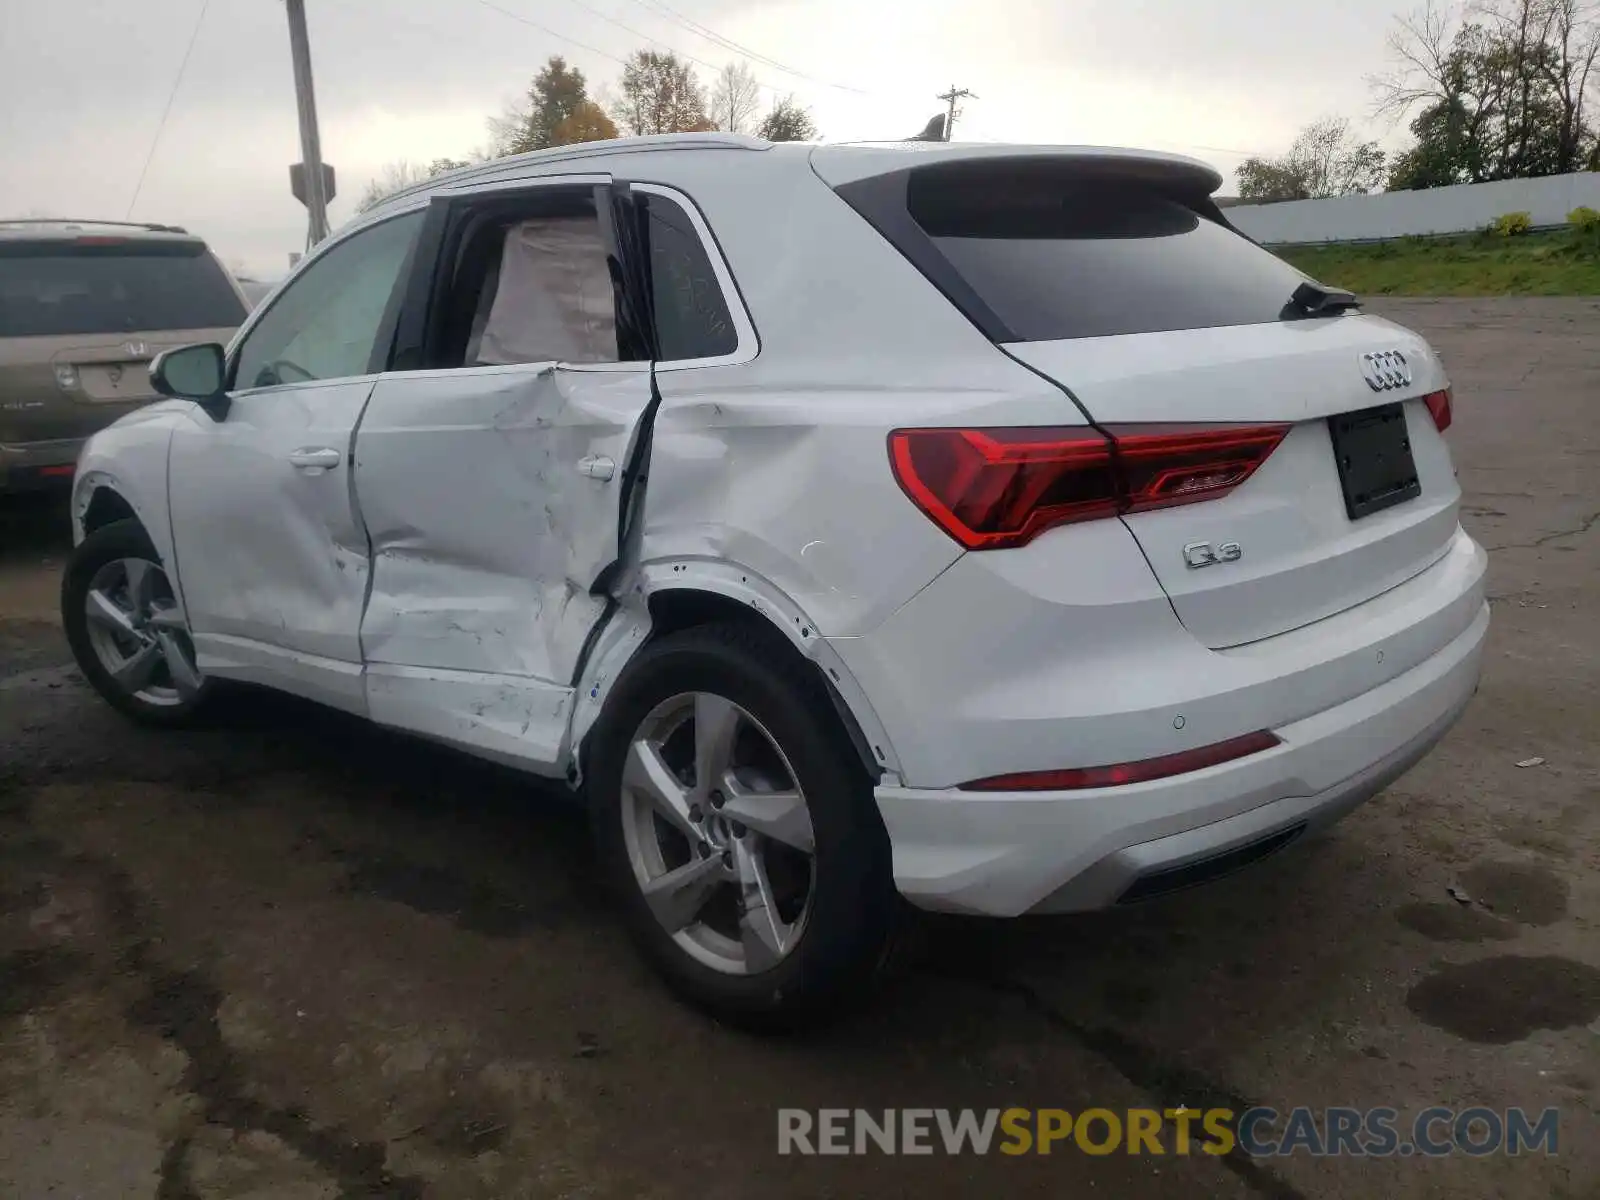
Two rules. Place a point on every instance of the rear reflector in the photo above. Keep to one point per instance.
(1133, 772)
(996, 488)
(1439, 406)
(56, 470)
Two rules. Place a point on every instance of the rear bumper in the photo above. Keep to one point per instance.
(1002, 854)
(29, 466)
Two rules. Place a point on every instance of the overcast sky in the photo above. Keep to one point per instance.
(83, 84)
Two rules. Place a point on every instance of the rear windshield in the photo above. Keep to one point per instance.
(45, 291)
(1053, 257)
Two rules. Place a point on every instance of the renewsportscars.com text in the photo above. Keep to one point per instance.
(1258, 1132)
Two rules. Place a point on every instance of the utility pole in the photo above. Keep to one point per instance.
(315, 182)
(951, 97)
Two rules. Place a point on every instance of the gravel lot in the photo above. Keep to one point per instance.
(293, 957)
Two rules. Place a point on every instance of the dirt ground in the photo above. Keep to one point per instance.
(294, 957)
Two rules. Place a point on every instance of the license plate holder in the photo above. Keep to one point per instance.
(116, 382)
(1372, 450)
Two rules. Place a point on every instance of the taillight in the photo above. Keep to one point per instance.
(1439, 408)
(995, 488)
(1118, 774)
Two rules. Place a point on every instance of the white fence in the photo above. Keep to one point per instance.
(1455, 209)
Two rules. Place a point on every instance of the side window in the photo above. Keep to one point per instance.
(325, 323)
(536, 289)
(691, 312)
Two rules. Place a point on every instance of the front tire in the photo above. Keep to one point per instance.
(127, 628)
(738, 827)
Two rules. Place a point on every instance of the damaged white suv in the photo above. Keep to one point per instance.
(992, 527)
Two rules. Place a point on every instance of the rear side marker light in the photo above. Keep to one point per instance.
(991, 489)
(1118, 774)
(1439, 408)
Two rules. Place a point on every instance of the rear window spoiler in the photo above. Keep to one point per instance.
(838, 165)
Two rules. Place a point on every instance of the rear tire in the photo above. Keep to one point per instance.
(127, 629)
(776, 937)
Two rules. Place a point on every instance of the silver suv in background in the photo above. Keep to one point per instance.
(84, 307)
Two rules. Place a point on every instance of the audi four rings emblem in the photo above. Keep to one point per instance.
(1386, 370)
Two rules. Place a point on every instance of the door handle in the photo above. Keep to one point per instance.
(597, 466)
(316, 458)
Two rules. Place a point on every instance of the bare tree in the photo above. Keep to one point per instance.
(1421, 69)
(1574, 42)
(393, 178)
(399, 175)
(735, 97)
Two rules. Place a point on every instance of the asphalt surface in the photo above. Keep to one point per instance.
(294, 957)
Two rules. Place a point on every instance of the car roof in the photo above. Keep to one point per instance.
(65, 228)
(836, 163)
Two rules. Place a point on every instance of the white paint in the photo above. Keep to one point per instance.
(1004, 853)
(1458, 209)
(268, 552)
(486, 535)
(129, 458)
(845, 163)
(1301, 557)
(519, 722)
(769, 484)
(747, 587)
(331, 681)
(1075, 668)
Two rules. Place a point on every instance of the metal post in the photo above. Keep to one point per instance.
(310, 142)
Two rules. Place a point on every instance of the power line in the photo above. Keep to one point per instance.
(620, 25)
(506, 12)
(727, 43)
(165, 112)
(583, 4)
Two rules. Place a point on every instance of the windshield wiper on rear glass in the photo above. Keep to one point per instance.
(1315, 300)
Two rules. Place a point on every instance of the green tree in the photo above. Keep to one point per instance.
(788, 122)
(660, 94)
(557, 94)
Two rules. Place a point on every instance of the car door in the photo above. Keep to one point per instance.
(492, 472)
(271, 554)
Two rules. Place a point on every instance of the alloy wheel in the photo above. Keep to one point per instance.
(718, 833)
(138, 632)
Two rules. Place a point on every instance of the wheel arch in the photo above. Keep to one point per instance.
(105, 505)
(667, 597)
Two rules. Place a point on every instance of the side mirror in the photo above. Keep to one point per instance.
(193, 373)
